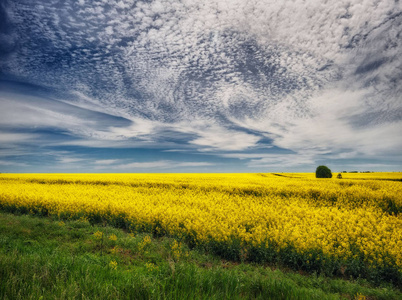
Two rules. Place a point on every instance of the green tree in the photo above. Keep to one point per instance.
(323, 172)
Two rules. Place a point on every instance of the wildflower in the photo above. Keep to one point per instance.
(145, 242)
(114, 250)
(151, 267)
(98, 235)
(113, 237)
(113, 264)
(176, 250)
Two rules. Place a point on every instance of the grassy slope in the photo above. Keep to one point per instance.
(43, 258)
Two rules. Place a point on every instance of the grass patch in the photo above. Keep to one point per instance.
(46, 258)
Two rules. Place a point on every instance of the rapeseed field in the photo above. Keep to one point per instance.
(348, 227)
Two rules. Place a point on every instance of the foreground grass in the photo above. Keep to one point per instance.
(44, 258)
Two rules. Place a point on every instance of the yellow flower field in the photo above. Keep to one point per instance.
(294, 218)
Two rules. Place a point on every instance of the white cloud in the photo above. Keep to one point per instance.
(70, 160)
(334, 127)
(140, 128)
(193, 164)
(12, 138)
(144, 165)
(225, 140)
(12, 163)
(160, 164)
(34, 112)
(106, 161)
(280, 161)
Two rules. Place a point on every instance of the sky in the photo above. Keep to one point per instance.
(200, 86)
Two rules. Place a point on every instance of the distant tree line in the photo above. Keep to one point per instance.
(357, 172)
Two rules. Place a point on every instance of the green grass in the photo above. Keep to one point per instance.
(44, 258)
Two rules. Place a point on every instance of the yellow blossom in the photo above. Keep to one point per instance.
(113, 237)
(98, 235)
(343, 219)
(113, 265)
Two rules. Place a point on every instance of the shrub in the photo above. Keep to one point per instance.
(339, 176)
(323, 172)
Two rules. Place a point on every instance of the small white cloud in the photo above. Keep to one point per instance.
(106, 162)
(12, 138)
(70, 160)
(12, 163)
(225, 140)
(145, 165)
(192, 164)
(141, 128)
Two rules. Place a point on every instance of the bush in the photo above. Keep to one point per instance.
(323, 172)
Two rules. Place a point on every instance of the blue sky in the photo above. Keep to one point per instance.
(200, 86)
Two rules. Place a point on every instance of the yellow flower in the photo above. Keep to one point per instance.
(345, 219)
(113, 264)
(176, 250)
(98, 235)
(360, 297)
(114, 250)
(151, 267)
(144, 243)
(113, 237)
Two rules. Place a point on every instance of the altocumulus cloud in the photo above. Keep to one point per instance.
(188, 85)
